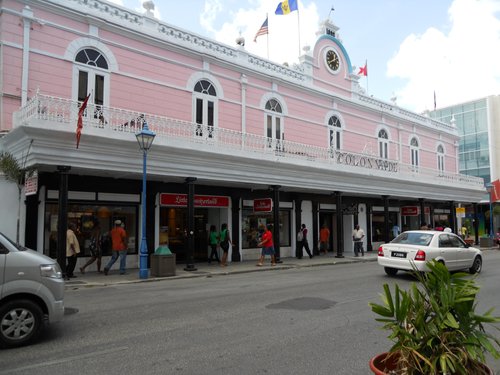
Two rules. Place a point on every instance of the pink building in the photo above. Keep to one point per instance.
(232, 130)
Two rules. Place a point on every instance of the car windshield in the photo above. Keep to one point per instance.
(18, 247)
(414, 238)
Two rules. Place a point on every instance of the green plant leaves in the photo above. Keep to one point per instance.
(434, 326)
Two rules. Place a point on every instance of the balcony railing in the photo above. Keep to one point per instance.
(64, 111)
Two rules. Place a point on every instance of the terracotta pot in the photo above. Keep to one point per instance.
(377, 365)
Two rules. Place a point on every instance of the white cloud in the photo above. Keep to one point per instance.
(461, 64)
(283, 30)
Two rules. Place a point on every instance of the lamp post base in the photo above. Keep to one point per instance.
(190, 267)
(143, 274)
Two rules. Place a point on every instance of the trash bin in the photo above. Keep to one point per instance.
(485, 242)
(163, 262)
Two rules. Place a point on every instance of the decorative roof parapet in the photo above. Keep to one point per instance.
(423, 120)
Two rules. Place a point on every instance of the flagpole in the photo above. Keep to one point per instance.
(298, 22)
(366, 66)
(267, 35)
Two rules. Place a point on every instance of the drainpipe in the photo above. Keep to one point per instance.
(27, 17)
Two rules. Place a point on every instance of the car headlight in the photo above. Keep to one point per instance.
(51, 270)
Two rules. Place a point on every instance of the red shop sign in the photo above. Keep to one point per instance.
(409, 211)
(180, 200)
(263, 205)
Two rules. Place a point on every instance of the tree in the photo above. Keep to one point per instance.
(17, 173)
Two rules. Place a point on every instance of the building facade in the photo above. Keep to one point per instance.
(239, 139)
(478, 124)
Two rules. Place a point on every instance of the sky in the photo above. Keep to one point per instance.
(415, 49)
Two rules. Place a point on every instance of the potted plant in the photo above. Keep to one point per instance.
(434, 327)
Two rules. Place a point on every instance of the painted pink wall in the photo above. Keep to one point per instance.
(153, 79)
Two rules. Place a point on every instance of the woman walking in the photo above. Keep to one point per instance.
(267, 246)
(213, 241)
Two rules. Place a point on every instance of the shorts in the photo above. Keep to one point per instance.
(323, 246)
(268, 250)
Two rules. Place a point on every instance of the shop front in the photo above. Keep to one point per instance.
(173, 222)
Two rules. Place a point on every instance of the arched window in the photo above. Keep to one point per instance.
(335, 133)
(440, 159)
(414, 150)
(205, 108)
(274, 124)
(383, 144)
(91, 67)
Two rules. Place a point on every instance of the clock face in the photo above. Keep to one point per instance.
(332, 60)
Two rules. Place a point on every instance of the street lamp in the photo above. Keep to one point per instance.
(145, 139)
(489, 187)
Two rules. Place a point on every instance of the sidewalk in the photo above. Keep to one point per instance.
(94, 279)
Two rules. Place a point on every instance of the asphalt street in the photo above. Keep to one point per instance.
(293, 320)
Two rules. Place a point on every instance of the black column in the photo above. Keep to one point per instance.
(315, 228)
(475, 224)
(276, 215)
(453, 217)
(190, 232)
(422, 211)
(431, 214)
(387, 228)
(369, 226)
(298, 221)
(340, 225)
(236, 230)
(62, 218)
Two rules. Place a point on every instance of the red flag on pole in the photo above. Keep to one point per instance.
(79, 125)
(363, 70)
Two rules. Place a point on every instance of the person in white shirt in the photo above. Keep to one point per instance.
(357, 236)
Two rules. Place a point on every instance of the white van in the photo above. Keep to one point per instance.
(31, 293)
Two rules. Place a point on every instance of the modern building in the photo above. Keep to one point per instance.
(478, 124)
(239, 139)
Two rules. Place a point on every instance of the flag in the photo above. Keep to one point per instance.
(286, 6)
(79, 125)
(434, 99)
(363, 71)
(262, 31)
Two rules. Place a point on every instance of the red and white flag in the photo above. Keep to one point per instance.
(79, 125)
(363, 71)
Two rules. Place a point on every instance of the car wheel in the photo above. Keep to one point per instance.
(20, 322)
(477, 266)
(390, 271)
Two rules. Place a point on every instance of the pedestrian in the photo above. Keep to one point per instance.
(498, 237)
(324, 239)
(118, 247)
(424, 226)
(225, 241)
(94, 247)
(463, 231)
(395, 230)
(357, 236)
(72, 250)
(267, 247)
(302, 242)
(213, 241)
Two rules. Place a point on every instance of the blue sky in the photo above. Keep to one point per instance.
(413, 48)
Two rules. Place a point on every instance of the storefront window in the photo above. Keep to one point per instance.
(378, 226)
(85, 217)
(252, 222)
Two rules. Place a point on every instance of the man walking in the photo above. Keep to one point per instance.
(302, 242)
(119, 247)
(357, 236)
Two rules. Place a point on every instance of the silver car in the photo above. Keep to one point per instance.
(31, 293)
(419, 246)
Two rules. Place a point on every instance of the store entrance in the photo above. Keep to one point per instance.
(174, 229)
(330, 220)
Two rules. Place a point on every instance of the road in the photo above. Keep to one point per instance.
(299, 321)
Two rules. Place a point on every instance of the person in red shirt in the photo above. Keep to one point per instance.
(119, 247)
(267, 246)
(324, 239)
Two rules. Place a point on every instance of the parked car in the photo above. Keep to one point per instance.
(420, 246)
(31, 293)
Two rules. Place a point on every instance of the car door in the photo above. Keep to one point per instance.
(447, 251)
(464, 255)
(3, 256)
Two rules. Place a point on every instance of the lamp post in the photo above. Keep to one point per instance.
(489, 187)
(145, 139)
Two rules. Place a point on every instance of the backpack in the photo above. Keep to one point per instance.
(300, 235)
